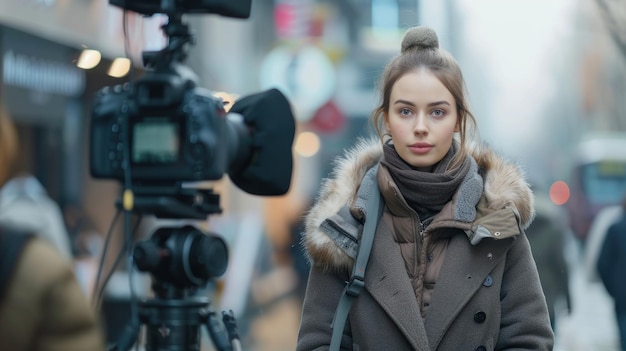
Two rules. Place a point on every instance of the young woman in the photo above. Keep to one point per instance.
(450, 267)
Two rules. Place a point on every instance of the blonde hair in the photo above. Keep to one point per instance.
(8, 146)
(420, 49)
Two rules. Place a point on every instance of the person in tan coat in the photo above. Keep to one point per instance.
(42, 306)
(450, 268)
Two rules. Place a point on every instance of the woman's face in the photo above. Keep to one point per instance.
(421, 119)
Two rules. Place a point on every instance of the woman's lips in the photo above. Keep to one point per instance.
(420, 148)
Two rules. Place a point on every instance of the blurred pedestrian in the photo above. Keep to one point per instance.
(612, 268)
(24, 202)
(450, 267)
(547, 235)
(42, 306)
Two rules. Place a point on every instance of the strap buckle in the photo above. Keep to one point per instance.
(354, 286)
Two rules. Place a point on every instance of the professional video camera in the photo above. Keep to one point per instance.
(164, 130)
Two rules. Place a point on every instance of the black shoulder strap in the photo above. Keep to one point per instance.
(357, 280)
(11, 244)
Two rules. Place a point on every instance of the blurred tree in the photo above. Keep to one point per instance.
(613, 13)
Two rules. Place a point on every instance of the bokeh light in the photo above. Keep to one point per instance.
(89, 59)
(307, 144)
(119, 67)
(559, 192)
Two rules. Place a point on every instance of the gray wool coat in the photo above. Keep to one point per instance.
(487, 295)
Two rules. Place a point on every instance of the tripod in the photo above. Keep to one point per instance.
(179, 259)
(174, 325)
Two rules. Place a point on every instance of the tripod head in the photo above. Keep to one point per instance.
(179, 260)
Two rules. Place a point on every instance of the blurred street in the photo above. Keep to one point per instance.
(591, 325)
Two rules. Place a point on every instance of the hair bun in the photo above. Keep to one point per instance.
(420, 37)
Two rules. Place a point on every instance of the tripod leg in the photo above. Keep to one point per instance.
(128, 337)
(217, 332)
(231, 326)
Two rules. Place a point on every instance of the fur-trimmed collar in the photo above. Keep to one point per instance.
(504, 186)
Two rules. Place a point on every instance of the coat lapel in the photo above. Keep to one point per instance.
(388, 283)
(462, 274)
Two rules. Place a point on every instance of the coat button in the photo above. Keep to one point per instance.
(480, 317)
(481, 348)
(488, 281)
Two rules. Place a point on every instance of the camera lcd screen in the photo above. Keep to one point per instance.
(155, 141)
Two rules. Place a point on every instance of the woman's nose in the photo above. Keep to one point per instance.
(421, 124)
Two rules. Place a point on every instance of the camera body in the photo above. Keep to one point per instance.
(163, 129)
(166, 128)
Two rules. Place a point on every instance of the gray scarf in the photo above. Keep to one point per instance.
(425, 192)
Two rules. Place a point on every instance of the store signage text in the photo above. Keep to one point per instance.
(42, 75)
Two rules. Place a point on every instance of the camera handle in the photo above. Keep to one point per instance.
(179, 38)
(175, 325)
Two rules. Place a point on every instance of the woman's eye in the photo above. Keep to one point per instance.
(405, 112)
(438, 113)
